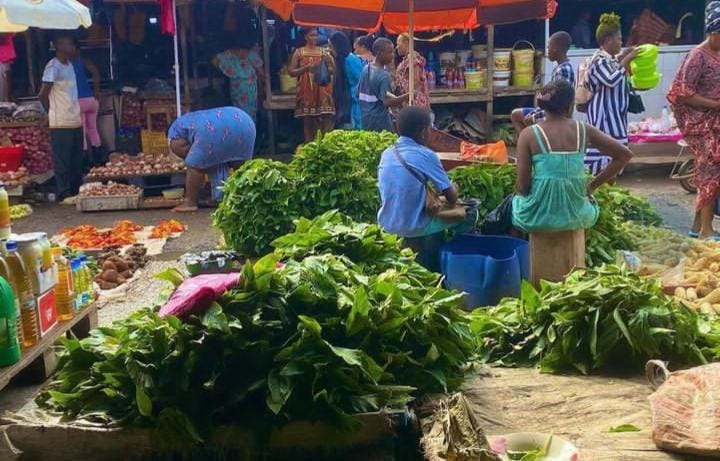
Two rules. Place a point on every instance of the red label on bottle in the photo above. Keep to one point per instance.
(47, 313)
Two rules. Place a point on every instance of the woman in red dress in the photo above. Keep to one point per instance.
(314, 103)
(421, 95)
(695, 98)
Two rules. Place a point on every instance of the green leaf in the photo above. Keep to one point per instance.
(171, 275)
(215, 318)
(144, 403)
(279, 391)
(311, 324)
(625, 428)
(621, 324)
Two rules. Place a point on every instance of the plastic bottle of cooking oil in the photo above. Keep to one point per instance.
(4, 212)
(78, 280)
(64, 295)
(28, 309)
(7, 275)
(9, 345)
(89, 293)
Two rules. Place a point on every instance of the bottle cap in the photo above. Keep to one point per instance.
(75, 264)
(56, 251)
(11, 245)
(82, 258)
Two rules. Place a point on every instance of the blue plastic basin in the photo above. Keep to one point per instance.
(488, 268)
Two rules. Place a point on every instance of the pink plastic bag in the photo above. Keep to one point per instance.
(196, 294)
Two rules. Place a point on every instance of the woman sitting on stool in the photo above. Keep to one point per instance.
(553, 192)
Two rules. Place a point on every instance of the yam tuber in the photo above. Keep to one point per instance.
(108, 265)
(105, 285)
(691, 294)
(110, 276)
(712, 298)
(681, 293)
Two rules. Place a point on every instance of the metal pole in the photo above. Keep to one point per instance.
(176, 67)
(411, 55)
(547, 47)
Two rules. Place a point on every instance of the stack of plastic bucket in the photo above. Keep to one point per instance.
(487, 268)
(645, 75)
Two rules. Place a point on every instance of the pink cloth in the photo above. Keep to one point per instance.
(7, 48)
(89, 108)
(647, 138)
(167, 18)
(196, 294)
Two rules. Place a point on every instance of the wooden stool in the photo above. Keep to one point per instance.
(554, 254)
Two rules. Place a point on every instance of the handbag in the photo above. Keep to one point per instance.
(635, 104)
(436, 205)
(321, 73)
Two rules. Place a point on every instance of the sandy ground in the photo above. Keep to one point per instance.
(673, 203)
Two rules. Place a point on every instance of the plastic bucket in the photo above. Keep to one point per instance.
(501, 57)
(288, 84)
(646, 83)
(647, 52)
(475, 80)
(488, 268)
(523, 60)
(523, 79)
(11, 158)
(501, 78)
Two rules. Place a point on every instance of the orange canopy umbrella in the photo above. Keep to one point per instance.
(398, 15)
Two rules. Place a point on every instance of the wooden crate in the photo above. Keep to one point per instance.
(154, 142)
(109, 202)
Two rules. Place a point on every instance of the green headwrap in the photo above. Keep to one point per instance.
(609, 25)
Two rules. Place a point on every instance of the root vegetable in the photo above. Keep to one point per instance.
(110, 276)
(681, 293)
(108, 265)
(691, 294)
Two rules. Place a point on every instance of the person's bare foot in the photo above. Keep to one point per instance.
(185, 208)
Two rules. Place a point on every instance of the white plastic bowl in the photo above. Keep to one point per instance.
(560, 449)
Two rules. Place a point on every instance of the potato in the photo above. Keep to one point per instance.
(108, 266)
(110, 276)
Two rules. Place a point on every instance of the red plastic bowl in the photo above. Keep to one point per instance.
(11, 158)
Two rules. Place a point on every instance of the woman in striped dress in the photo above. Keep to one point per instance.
(608, 80)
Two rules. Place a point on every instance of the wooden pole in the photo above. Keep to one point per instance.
(411, 55)
(30, 50)
(176, 64)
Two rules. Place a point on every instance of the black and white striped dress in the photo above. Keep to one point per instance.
(608, 108)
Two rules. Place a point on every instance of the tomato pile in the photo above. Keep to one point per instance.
(167, 228)
(36, 139)
(88, 237)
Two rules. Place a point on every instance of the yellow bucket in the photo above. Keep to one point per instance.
(288, 84)
(502, 59)
(523, 60)
(476, 80)
(523, 79)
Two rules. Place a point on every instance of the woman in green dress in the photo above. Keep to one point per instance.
(554, 191)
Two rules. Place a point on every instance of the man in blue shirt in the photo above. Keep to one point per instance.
(374, 89)
(403, 194)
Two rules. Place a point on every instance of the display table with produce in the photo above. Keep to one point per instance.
(35, 137)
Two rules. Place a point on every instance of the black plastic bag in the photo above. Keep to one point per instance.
(499, 220)
(635, 104)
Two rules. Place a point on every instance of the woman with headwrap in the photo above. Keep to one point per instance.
(695, 99)
(607, 78)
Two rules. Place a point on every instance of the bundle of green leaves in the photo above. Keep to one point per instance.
(323, 336)
(603, 318)
(329, 175)
(628, 206)
(259, 204)
(486, 182)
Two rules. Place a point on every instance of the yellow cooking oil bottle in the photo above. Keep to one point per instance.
(7, 275)
(28, 312)
(4, 212)
(64, 295)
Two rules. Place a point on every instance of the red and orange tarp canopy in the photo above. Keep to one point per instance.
(394, 14)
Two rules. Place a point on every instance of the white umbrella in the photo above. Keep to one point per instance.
(18, 15)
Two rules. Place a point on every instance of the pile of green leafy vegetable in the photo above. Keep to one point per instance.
(486, 182)
(339, 320)
(329, 175)
(603, 318)
(628, 206)
(259, 205)
(336, 171)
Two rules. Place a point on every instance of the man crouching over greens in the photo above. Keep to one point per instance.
(407, 173)
(210, 141)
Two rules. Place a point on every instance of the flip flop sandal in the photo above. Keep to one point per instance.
(693, 234)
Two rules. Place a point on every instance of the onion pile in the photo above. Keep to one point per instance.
(97, 189)
(13, 179)
(137, 165)
(36, 139)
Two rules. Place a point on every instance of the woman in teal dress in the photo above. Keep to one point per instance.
(554, 191)
(243, 66)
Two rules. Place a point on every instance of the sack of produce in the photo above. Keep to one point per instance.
(685, 409)
(499, 221)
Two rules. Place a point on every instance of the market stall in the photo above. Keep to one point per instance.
(474, 74)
